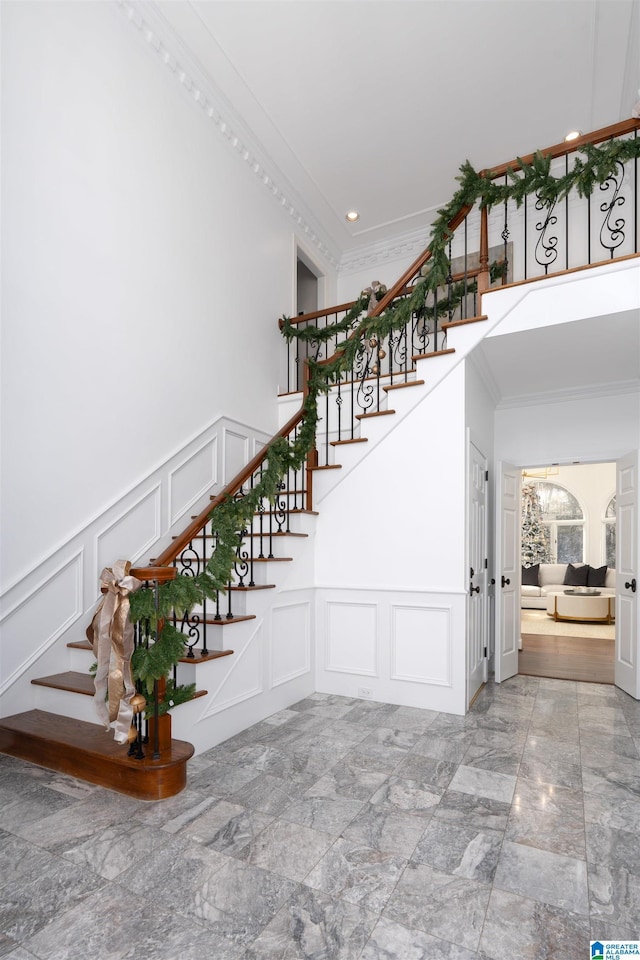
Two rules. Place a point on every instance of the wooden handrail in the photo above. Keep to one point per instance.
(169, 555)
(174, 549)
(316, 314)
(565, 148)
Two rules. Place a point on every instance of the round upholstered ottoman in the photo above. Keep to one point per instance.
(581, 606)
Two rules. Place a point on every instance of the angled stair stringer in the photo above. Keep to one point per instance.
(431, 369)
(273, 653)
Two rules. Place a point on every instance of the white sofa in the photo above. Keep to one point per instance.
(551, 580)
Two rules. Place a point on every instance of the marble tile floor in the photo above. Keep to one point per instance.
(345, 829)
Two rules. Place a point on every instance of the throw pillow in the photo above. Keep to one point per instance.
(597, 576)
(576, 576)
(530, 576)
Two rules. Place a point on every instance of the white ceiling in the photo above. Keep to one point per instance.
(565, 360)
(374, 104)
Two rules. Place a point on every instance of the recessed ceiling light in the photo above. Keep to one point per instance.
(352, 216)
(572, 135)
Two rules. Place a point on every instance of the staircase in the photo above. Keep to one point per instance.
(378, 397)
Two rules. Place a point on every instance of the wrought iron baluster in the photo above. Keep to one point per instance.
(505, 238)
(547, 245)
(615, 229)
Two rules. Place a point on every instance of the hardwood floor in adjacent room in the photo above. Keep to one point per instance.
(567, 658)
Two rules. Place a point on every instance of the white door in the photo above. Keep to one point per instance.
(477, 557)
(627, 675)
(507, 571)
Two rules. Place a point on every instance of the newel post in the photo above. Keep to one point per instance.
(484, 279)
(159, 727)
(312, 456)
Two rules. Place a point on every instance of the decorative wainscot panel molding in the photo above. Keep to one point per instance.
(393, 646)
(51, 604)
(290, 641)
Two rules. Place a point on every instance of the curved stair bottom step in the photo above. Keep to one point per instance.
(87, 751)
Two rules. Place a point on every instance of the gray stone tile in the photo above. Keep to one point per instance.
(355, 776)
(473, 810)
(223, 779)
(618, 813)
(548, 877)
(460, 850)
(238, 900)
(549, 798)
(371, 713)
(440, 749)
(602, 745)
(389, 830)
(392, 941)
(289, 849)
(550, 761)
(344, 730)
(110, 925)
(225, 826)
(448, 907)
(610, 846)
(432, 773)
(410, 796)
(520, 927)
(559, 832)
(330, 814)
(357, 874)
(269, 794)
(43, 892)
(615, 895)
(313, 926)
(63, 829)
(500, 759)
(484, 783)
(112, 851)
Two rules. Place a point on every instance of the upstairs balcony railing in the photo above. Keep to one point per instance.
(534, 234)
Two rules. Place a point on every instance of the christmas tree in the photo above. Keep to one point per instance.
(535, 535)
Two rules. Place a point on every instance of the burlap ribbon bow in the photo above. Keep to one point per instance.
(111, 637)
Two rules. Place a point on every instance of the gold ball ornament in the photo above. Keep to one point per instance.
(138, 703)
(373, 342)
(382, 354)
(374, 368)
(132, 735)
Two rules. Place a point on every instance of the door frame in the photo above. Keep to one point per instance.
(604, 458)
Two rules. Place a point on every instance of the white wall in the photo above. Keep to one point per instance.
(588, 429)
(390, 553)
(144, 268)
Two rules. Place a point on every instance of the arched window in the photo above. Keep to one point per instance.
(610, 533)
(562, 518)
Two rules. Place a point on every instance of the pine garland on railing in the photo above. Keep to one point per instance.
(234, 514)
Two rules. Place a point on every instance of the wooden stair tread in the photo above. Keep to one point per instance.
(462, 323)
(327, 466)
(269, 559)
(374, 413)
(434, 353)
(256, 586)
(339, 443)
(405, 383)
(279, 533)
(199, 657)
(71, 680)
(89, 752)
(80, 645)
(210, 622)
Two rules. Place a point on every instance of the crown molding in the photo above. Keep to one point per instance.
(606, 389)
(402, 246)
(153, 27)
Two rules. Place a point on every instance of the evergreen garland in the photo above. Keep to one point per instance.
(233, 516)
